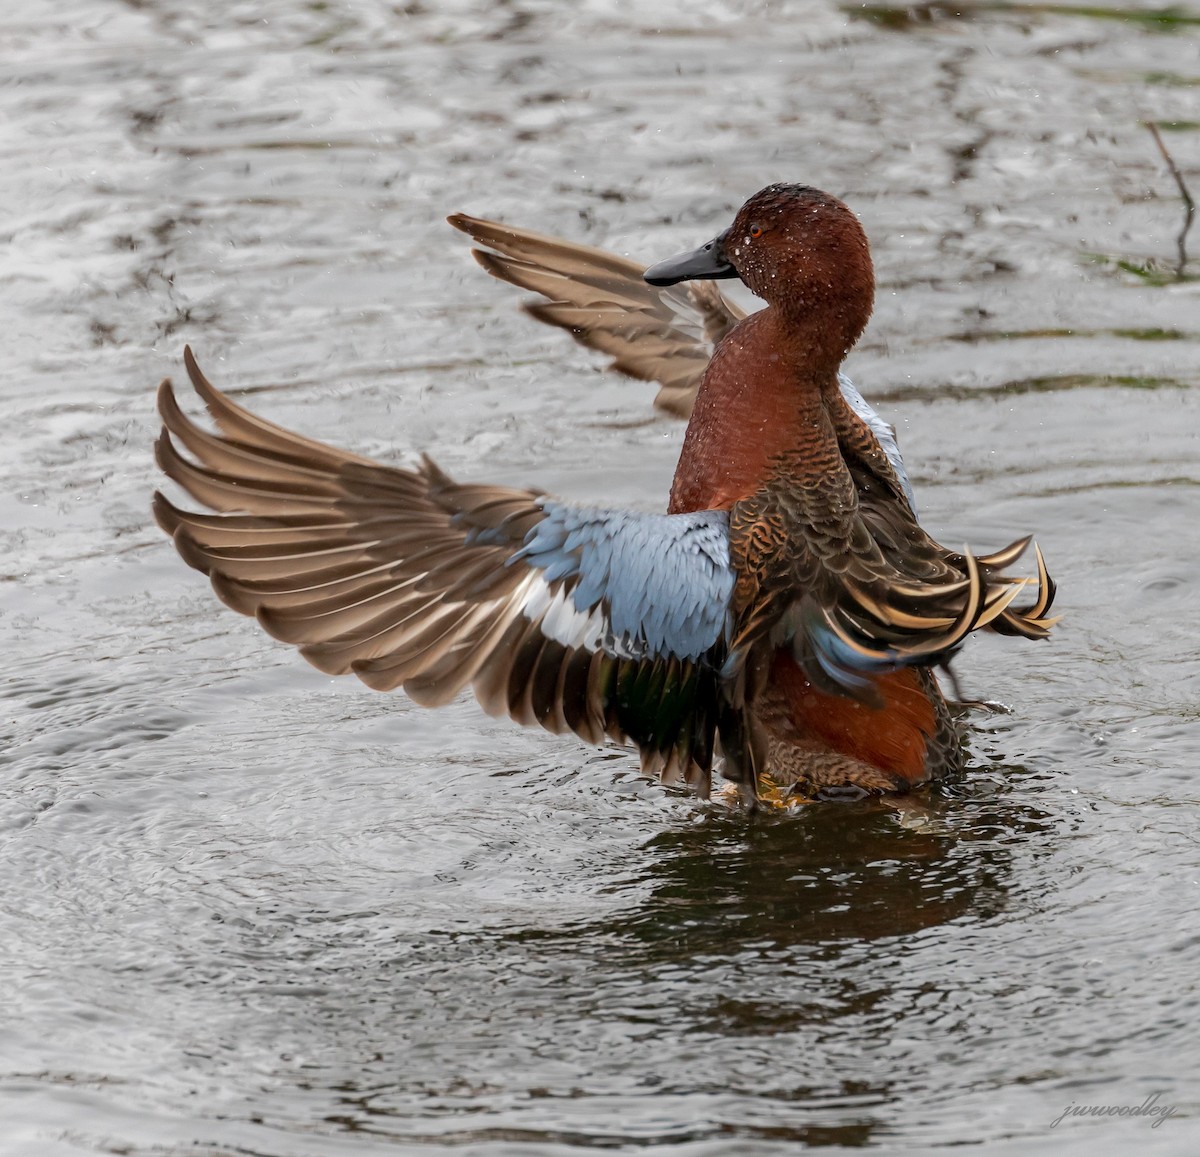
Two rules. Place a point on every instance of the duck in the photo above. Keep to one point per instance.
(779, 625)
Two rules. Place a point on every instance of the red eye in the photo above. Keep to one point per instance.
(755, 230)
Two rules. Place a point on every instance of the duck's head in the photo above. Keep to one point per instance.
(800, 250)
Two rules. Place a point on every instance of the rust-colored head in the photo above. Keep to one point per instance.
(800, 250)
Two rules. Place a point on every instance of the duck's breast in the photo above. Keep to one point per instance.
(751, 409)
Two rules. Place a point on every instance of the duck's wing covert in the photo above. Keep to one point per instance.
(657, 335)
(600, 622)
(859, 590)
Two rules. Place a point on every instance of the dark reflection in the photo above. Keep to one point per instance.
(362, 1110)
(776, 945)
(831, 875)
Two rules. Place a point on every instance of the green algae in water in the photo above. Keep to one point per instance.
(1149, 334)
(901, 18)
(1148, 271)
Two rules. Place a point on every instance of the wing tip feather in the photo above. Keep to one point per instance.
(166, 514)
(191, 552)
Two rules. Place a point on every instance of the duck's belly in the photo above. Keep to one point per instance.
(832, 741)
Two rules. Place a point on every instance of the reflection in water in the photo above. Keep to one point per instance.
(786, 945)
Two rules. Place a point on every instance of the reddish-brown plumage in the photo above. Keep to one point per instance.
(769, 406)
(806, 255)
(893, 737)
(751, 409)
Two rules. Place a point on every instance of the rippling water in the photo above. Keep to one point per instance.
(250, 910)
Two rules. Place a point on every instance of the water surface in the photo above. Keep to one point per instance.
(251, 910)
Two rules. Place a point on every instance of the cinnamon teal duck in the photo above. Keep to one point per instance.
(780, 623)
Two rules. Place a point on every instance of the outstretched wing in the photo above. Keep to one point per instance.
(663, 335)
(595, 621)
(656, 335)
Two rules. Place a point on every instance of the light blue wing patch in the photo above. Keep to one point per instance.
(884, 434)
(848, 666)
(645, 585)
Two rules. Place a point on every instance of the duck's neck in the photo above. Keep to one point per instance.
(760, 404)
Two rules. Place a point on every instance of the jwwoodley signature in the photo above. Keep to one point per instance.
(1148, 1108)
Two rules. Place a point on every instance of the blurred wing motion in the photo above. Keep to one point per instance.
(594, 621)
(663, 335)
